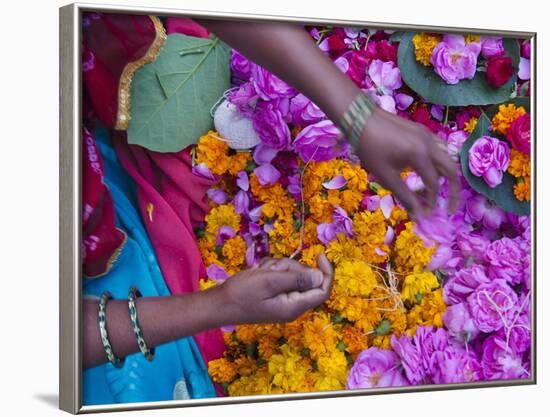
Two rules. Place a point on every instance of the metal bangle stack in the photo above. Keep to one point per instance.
(354, 119)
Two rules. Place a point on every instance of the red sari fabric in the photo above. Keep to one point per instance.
(171, 198)
(101, 240)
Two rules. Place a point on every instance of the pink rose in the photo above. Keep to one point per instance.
(489, 158)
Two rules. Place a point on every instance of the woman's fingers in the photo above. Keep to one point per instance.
(278, 282)
(391, 180)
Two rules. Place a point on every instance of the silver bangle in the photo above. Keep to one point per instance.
(354, 119)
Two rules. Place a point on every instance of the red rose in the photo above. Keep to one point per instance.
(422, 115)
(519, 133)
(336, 43)
(499, 70)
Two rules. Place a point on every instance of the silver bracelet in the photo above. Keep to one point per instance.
(354, 119)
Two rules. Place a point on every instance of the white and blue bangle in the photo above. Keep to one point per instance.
(117, 362)
(132, 295)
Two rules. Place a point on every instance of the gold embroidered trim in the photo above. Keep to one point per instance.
(125, 83)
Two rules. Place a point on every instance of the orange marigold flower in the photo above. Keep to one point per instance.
(234, 251)
(522, 190)
(221, 370)
(212, 150)
(507, 113)
(520, 164)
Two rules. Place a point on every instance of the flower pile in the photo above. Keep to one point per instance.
(443, 300)
(458, 57)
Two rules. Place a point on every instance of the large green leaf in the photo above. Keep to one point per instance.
(430, 86)
(173, 95)
(503, 194)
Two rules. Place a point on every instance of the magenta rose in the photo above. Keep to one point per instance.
(508, 260)
(519, 134)
(268, 86)
(375, 368)
(320, 142)
(489, 158)
(270, 126)
(454, 60)
(493, 304)
(491, 46)
(303, 111)
(459, 323)
(463, 283)
(499, 70)
(240, 66)
(501, 361)
(410, 357)
(455, 365)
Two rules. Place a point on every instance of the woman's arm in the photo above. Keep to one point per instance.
(277, 290)
(388, 143)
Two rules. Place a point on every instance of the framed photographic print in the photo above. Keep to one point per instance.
(255, 208)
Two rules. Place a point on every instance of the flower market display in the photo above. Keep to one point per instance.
(443, 300)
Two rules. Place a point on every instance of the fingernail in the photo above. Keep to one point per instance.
(317, 278)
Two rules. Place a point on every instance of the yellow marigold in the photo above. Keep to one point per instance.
(213, 152)
(256, 384)
(470, 125)
(309, 255)
(287, 369)
(520, 164)
(234, 251)
(354, 278)
(418, 283)
(354, 339)
(221, 370)
(370, 232)
(355, 176)
(319, 335)
(284, 238)
(469, 38)
(507, 113)
(245, 365)
(333, 371)
(350, 200)
(343, 248)
(310, 232)
(424, 44)
(320, 209)
(276, 199)
(410, 252)
(394, 322)
(238, 161)
(206, 283)
(522, 190)
(428, 313)
(223, 215)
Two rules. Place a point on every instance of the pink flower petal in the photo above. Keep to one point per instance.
(336, 183)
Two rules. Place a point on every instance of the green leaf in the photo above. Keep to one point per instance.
(172, 96)
(430, 86)
(503, 194)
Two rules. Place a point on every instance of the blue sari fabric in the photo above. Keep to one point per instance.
(178, 362)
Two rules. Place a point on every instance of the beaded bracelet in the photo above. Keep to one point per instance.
(354, 119)
(132, 295)
(117, 362)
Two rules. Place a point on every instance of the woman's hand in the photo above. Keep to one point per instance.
(390, 143)
(277, 290)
